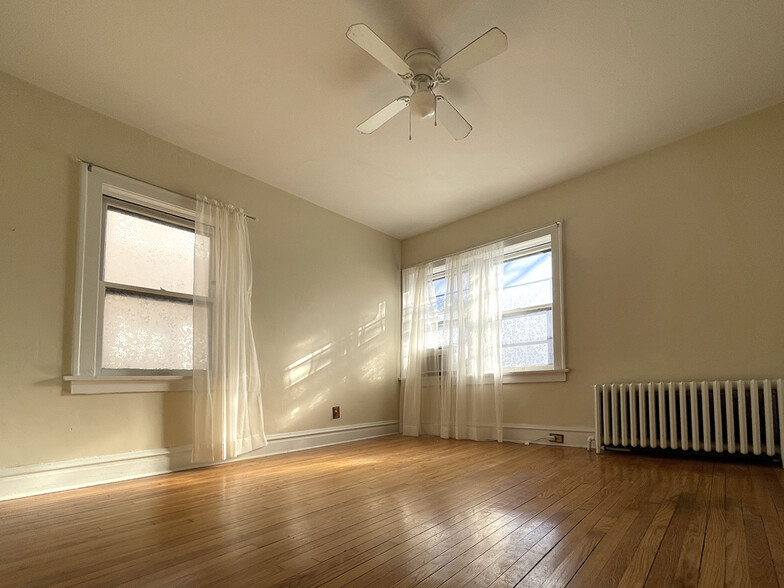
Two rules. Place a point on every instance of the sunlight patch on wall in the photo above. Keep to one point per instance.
(321, 358)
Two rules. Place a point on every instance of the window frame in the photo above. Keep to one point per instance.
(87, 376)
(550, 235)
(558, 372)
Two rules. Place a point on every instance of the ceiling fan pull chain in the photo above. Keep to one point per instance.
(409, 124)
(435, 111)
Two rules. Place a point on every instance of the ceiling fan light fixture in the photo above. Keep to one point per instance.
(422, 104)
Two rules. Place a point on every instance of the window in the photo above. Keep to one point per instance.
(532, 337)
(532, 328)
(134, 299)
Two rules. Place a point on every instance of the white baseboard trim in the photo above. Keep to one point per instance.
(43, 478)
(574, 436)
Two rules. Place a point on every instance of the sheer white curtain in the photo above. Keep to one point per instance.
(227, 416)
(459, 322)
(419, 327)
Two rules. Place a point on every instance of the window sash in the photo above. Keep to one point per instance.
(112, 203)
(520, 253)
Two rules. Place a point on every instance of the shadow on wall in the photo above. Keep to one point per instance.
(355, 356)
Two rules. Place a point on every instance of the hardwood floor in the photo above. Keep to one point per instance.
(399, 511)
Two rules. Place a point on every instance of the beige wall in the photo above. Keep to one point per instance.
(673, 269)
(673, 265)
(321, 282)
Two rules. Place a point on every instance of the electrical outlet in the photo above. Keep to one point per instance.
(335, 412)
(556, 438)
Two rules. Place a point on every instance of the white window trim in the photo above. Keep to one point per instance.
(119, 384)
(86, 376)
(533, 376)
(526, 377)
(559, 370)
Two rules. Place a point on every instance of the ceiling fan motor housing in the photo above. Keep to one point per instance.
(424, 64)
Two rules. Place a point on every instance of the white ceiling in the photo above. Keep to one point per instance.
(274, 89)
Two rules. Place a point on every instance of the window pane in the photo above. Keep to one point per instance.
(527, 339)
(530, 355)
(525, 295)
(148, 253)
(527, 328)
(528, 281)
(439, 288)
(143, 332)
(531, 268)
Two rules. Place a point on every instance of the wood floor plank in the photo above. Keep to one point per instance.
(774, 530)
(559, 565)
(713, 562)
(507, 552)
(637, 572)
(687, 569)
(553, 478)
(612, 518)
(736, 566)
(659, 486)
(677, 560)
(407, 547)
(588, 575)
(520, 569)
(761, 569)
(401, 511)
(443, 567)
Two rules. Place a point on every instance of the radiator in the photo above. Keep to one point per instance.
(736, 417)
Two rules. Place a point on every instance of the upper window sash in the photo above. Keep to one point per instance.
(95, 184)
(147, 214)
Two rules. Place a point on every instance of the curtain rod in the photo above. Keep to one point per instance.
(443, 257)
(90, 165)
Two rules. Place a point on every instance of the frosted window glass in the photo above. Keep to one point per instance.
(526, 295)
(536, 354)
(147, 253)
(527, 328)
(527, 339)
(142, 332)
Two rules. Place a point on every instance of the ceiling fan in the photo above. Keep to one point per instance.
(422, 71)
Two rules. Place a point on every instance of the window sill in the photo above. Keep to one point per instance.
(535, 376)
(122, 384)
(530, 377)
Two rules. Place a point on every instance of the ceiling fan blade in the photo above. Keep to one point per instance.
(383, 115)
(370, 42)
(492, 43)
(454, 122)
